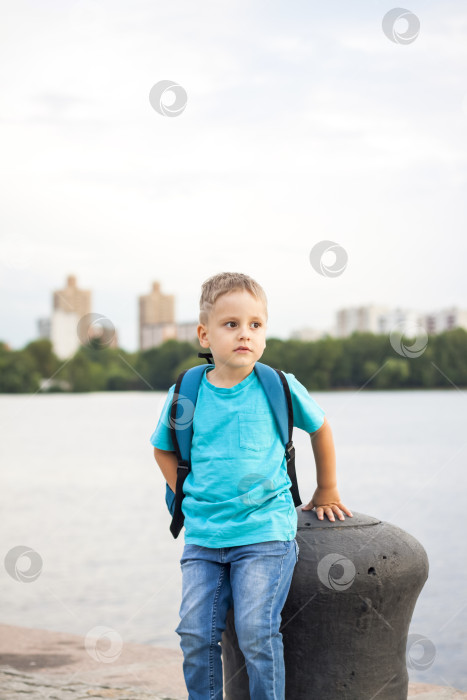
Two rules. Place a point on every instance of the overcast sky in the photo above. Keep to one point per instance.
(303, 123)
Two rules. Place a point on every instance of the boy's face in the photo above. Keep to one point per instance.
(237, 319)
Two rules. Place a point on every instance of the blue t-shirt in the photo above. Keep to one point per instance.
(238, 489)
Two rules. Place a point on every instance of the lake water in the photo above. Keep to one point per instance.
(80, 486)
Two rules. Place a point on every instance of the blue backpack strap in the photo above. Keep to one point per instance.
(181, 430)
(273, 387)
(277, 390)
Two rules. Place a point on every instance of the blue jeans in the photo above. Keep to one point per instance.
(254, 579)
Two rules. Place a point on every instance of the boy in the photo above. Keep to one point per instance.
(240, 521)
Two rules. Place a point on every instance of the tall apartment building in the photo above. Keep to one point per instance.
(363, 319)
(72, 299)
(156, 318)
(44, 328)
(382, 320)
(445, 320)
(187, 330)
(407, 321)
(69, 305)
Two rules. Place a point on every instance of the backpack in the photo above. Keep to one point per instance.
(182, 411)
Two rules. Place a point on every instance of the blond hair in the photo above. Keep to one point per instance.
(223, 283)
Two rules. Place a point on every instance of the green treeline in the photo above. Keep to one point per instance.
(362, 359)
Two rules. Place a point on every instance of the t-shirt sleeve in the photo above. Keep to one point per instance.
(307, 414)
(161, 437)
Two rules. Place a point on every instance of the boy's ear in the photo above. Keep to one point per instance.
(202, 336)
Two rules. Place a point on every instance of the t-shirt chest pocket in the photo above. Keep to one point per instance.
(256, 431)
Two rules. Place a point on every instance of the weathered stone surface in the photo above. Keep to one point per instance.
(61, 660)
(15, 684)
(141, 672)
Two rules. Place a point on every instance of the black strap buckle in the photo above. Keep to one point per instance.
(207, 356)
(290, 451)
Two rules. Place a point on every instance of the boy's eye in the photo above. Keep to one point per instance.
(256, 323)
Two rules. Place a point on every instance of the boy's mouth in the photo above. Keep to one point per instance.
(242, 348)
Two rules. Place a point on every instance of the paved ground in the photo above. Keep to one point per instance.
(40, 665)
(54, 665)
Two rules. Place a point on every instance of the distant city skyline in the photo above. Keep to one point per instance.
(303, 123)
(73, 321)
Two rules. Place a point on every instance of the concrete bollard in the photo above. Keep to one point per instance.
(347, 615)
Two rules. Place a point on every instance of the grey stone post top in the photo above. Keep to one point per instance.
(307, 519)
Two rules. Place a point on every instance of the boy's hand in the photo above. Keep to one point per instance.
(327, 501)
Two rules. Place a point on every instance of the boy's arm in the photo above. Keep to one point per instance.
(167, 462)
(326, 498)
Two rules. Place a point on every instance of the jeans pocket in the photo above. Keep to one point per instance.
(297, 550)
